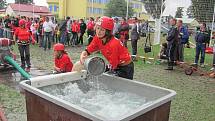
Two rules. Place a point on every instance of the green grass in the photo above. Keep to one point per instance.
(13, 104)
(195, 99)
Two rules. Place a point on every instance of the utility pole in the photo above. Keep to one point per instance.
(33, 10)
(127, 10)
(19, 7)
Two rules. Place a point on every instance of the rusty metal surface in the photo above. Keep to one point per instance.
(39, 109)
(160, 113)
(42, 106)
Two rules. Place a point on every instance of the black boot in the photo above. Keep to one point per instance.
(23, 62)
(169, 68)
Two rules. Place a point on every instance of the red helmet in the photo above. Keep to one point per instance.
(22, 22)
(58, 47)
(106, 23)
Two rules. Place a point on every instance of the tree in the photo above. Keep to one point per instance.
(118, 8)
(203, 10)
(179, 12)
(23, 1)
(189, 12)
(3, 4)
(153, 7)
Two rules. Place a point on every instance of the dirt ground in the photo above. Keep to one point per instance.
(195, 100)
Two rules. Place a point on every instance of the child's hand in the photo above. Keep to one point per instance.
(57, 69)
(84, 55)
(78, 66)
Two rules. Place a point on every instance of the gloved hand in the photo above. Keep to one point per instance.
(109, 70)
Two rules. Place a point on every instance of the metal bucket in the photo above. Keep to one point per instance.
(95, 65)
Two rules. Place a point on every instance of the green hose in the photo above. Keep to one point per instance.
(15, 65)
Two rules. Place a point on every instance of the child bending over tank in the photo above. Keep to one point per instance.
(63, 63)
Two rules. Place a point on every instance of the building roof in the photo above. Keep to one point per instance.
(29, 8)
(2, 10)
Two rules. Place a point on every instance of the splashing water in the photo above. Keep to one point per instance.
(97, 98)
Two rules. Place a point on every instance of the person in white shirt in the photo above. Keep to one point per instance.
(48, 29)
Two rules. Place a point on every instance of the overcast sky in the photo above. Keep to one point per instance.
(171, 5)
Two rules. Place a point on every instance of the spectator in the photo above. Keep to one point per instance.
(90, 29)
(68, 29)
(1, 28)
(56, 32)
(124, 32)
(7, 25)
(116, 28)
(63, 30)
(48, 32)
(40, 33)
(83, 27)
(134, 38)
(36, 26)
(201, 39)
(183, 39)
(75, 30)
(172, 39)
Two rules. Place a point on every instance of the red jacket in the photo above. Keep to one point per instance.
(75, 27)
(90, 25)
(113, 51)
(23, 34)
(64, 63)
(124, 29)
(28, 24)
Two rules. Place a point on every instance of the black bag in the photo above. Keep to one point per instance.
(142, 34)
(148, 48)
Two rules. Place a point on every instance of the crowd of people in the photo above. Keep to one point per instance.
(177, 37)
(100, 32)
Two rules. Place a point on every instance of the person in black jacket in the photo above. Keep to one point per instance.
(83, 27)
(202, 38)
(172, 39)
(134, 38)
(7, 25)
(64, 31)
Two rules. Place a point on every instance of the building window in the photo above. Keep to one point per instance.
(55, 8)
(99, 1)
(89, 9)
(95, 10)
(50, 7)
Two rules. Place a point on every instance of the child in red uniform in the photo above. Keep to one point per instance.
(62, 61)
(23, 34)
(112, 49)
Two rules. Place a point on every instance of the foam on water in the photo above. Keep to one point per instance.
(107, 103)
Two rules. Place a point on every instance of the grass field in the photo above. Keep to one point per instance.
(195, 99)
